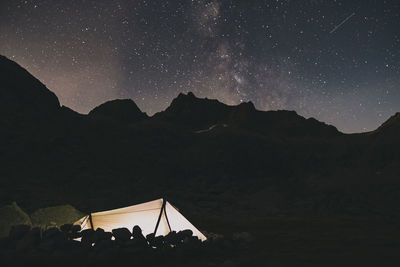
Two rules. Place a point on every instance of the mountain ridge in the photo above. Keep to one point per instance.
(292, 164)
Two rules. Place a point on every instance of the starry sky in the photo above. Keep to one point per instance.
(335, 60)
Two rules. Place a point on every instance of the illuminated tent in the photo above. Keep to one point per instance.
(157, 216)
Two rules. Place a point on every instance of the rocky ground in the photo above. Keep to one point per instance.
(270, 242)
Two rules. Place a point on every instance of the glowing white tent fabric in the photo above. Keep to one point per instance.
(145, 215)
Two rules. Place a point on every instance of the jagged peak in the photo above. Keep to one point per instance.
(189, 100)
(189, 95)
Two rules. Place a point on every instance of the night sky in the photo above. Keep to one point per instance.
(337, 61)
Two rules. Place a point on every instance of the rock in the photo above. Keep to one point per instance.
(122, 234)
(158, 242)
(88, 236)
(100, 235)
(66, 227)
(172, 238)
(18, 231)
(87, 233)
(140, 240)
(137, 232)
(75, 228)
(150, 239)
(107, 236)
(185, 233)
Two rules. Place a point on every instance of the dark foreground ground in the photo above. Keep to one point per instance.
(324, 242)
(278, 241)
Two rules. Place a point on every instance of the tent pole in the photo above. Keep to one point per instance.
(166, 217)
(159, 216)
(91, 221)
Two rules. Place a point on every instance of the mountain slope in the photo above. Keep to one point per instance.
(115, 156)
(22, 96)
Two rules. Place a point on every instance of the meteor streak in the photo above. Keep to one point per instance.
(341, 23)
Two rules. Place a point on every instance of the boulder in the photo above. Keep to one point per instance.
(140, 240)
(66, 227)
(122, 234)
(87, 233)
(88, 236)
(158, 242)
(172, 238)
(150, 239)
(101, 235)
(75, 228)
(181, 235)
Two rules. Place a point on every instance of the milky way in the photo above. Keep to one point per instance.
(277, 54)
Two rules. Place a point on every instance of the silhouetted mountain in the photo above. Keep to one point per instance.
(194, 113)
(119, 110)
(23, 98)
(213, 158)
